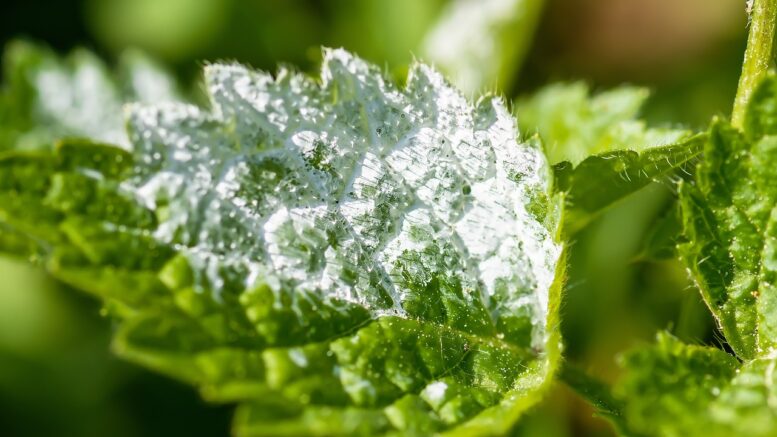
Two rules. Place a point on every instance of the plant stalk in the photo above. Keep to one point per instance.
(758, 55)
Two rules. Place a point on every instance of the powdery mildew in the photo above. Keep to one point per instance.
(327, 187)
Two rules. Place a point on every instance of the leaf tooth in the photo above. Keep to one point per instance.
(436, 99)
(256, 101)
(338, 65)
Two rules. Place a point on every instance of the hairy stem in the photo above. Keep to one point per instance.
(758, 55)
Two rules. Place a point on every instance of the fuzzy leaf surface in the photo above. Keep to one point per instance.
(339, 256)
(730, 247)
(601, 151)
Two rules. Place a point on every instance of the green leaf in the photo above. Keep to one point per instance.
(761, 116)
(338, 256)
(671, 388)
(602, 180)
(730, 230)
(601, 153)
(481, 43)
(729, 224)
(574, 124)
(722, 249)
(46, 97)
(660, 242)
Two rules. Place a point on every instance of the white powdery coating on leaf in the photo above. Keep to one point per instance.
(343, 188)
(435, 391)
(77, 97)
(83, 101)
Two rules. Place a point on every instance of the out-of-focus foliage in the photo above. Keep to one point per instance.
(171, 28)
(575, 124)
(480, 43)
(45, 97)
(265, 32)
(56, 363)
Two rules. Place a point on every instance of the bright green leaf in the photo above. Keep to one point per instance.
(729, 223)
(338, 256)
(669, 385)
(574, 124)
(602, 180)
(730, 229)
(600, 151)
(672, 388)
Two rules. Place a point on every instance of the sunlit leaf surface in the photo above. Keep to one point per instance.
(339, 256)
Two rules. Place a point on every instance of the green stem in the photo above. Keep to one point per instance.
(758, 55)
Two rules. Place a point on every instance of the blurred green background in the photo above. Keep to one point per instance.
(57, 376)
